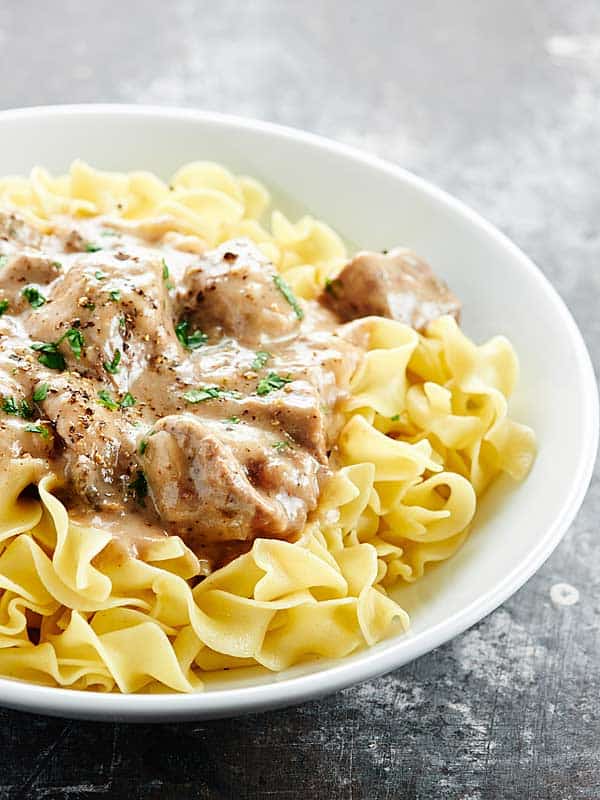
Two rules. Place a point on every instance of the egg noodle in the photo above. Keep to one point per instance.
(426, 431)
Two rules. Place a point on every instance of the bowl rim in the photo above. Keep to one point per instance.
(368, 664)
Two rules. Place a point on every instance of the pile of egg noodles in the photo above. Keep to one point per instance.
(396, 504)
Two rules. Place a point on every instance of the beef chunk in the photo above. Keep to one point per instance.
(119, 303)
(218, 482)
(398, 285)
(98, 446)
(232, 290)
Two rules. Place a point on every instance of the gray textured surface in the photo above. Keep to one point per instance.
(498, 102)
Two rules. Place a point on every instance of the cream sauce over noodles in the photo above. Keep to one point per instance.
(173, 392)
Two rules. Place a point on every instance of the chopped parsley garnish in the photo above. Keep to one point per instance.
(41, 429)
(3, 261)
(143, 447)
(260, 359)
(34, 296)
(232, 420)
(115, 295)
(9, 406)
(332, 286)
(208, 393)
(99, 275)
(395, 418)
(191, 341)
(75, 338)
(286, 291)
(166, 275)
(139, 487)
(49, 355)
(281, 446)
(40, 393)
(25, 409)
(92, 248)
(271, 382)
(3, 307)
(106, 400)
(113, 366)
(22, 409)
(57, 264)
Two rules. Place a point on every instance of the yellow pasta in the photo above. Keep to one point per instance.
(426, 429)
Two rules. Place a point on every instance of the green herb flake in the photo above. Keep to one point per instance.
(92, 248)
(395, 418)
(208, 393)
(232, 421)
(113, 366)
(166, 276)
(34, 296)
(9, 406)
(191, 341)
(260, 359)
(40, 393)
(99, 275)
(115, 295)
(75, 339)
(106, 400)
(127, 401)
(41, 429)
(25, 409)
(3, 307)
(281, 447)
(3, 261)
(139, 487)
(22, 409)
(332, 286)
(57, 264)
(143, 447)
(271, 382)
(49, 355)
(287, 292)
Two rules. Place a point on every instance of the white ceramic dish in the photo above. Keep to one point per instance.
(377, 205)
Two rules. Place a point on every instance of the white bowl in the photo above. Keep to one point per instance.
(374, 205)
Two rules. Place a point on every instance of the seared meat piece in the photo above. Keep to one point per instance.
(99, 444)
(232, 290)
(398, 285)
(222, 482)
(120, 304)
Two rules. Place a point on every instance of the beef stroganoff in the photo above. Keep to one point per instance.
(222, 442)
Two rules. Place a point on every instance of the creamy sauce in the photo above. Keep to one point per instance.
(174, 392)
(179, 391)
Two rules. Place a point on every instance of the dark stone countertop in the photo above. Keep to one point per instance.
(499, 103)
